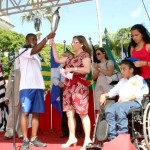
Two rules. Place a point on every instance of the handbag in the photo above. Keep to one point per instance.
(114, 79)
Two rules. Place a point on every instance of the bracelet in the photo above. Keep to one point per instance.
(75, 68)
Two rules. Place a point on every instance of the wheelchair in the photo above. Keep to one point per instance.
(138, 124)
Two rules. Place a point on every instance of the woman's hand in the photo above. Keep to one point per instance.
(140, 63)
(69, 70)
(51, 42)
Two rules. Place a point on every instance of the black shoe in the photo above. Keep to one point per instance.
(36, 142)
(64, 135)
(7, 138)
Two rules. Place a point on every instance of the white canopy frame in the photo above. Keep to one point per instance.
(9, 7)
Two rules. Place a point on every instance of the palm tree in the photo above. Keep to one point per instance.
(115, 40)
(36, 17)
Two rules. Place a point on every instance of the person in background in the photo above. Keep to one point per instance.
(58, 80)
(75, 91)
(17, 107)
(102, 69)
(3, 107)
(31, 88)
(130, 89)
(140, 48)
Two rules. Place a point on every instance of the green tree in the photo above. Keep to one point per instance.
(10, 42)
(115, 41)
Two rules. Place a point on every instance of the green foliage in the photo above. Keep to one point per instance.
(5, 65)
(9, 43)
(10, 40)
(115, 41)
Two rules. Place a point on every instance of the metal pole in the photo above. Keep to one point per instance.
(64, 45)
(99, 22)
(13, 110)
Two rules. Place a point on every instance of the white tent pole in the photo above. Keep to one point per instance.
(99, 22)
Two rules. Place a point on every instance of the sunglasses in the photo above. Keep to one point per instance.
(98, 54)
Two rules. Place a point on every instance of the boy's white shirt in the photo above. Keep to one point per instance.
(31, 78)
(125, 88)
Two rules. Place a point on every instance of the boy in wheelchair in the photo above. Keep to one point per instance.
(130, 89)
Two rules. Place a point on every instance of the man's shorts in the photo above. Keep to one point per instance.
(32, 100)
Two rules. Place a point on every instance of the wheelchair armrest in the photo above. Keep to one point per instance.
(113, 98)
(147, 95)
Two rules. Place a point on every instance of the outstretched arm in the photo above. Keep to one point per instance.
(39, 46)
(55, 54)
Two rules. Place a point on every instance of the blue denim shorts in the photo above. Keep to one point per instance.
(32, 100)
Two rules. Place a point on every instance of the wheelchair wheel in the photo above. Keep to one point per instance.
(142, 148)
(146, 126)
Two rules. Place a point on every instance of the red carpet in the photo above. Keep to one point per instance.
(51, 138)
(49, 120)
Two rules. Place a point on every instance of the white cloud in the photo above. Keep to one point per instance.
(137, 12)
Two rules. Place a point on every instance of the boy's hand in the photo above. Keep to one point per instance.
(51, 35)
(102, 99)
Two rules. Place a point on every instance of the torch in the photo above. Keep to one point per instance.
(55, 20)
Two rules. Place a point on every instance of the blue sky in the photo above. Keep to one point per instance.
(82, 19)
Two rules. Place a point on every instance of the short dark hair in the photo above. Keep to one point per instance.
(130, 64)
(29, 35)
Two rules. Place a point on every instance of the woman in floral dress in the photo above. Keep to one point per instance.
(76, 92)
